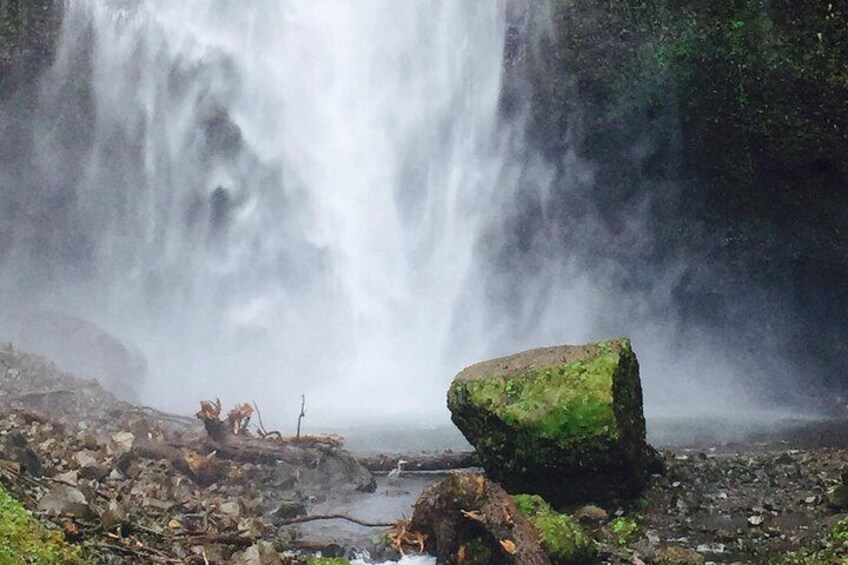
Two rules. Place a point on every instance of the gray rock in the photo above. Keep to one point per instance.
(837, 497)
(25, 455)
(115, 515)
(67, 500)
(590, 514)
(261, 553)
(289, 509)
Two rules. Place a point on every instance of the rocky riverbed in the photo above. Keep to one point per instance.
(69, 451)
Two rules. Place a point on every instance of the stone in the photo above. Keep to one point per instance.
(114, 515)
(121, 443)
(289, 509)
(261, 553)
(564, 422)
(590, 514)
(24, 454)
(230, 508)
(837, 497)
(68, 477)
(94, 472)
(66, 500)
(85, 458)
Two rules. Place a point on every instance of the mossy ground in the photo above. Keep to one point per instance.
(327, 561)
(24, 540)
(562, 537)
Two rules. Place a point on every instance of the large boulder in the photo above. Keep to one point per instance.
(564, 422)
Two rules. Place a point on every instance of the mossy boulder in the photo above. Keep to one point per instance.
(562, 537)
(564, 422)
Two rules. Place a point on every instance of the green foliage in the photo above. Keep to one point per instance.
(625, 530)
(327, 561)
(757, 92)
(24, 540)
(761, 87)
(531, 504)
(562, 537)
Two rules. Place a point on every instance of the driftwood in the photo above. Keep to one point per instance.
(466, 518)
(445, 461)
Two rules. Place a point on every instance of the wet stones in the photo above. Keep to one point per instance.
(21, 452)
(289, 509)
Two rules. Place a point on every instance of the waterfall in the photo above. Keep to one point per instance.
(276, 197)
(279, 197)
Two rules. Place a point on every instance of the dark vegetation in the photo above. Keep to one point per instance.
(722, 128)
(28, 33)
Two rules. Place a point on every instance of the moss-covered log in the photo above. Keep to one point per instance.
(561, 536)
(564, 422)
(469, 520)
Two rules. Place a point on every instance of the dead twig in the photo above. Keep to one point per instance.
(261, 427)
(302, 415)
(314, 517)
(218, 539)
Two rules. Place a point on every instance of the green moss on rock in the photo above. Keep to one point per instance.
(625, 530)
(562, 537)
(25, 540)
(543, 416)
(833, 549)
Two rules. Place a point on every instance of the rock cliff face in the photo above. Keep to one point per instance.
(29, 31)
(720, 130)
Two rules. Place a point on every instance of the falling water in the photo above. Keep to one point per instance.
(286, 197)
(277, 197)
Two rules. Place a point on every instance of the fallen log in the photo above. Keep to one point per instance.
(444, 461)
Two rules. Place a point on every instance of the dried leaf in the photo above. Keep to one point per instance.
(507, 517)
(473, 515)
(509, 546)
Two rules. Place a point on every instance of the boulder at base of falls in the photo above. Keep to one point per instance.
(564, 422)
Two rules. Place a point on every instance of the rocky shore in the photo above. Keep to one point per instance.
(70, 453)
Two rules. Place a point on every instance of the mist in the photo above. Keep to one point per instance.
(340, 200)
